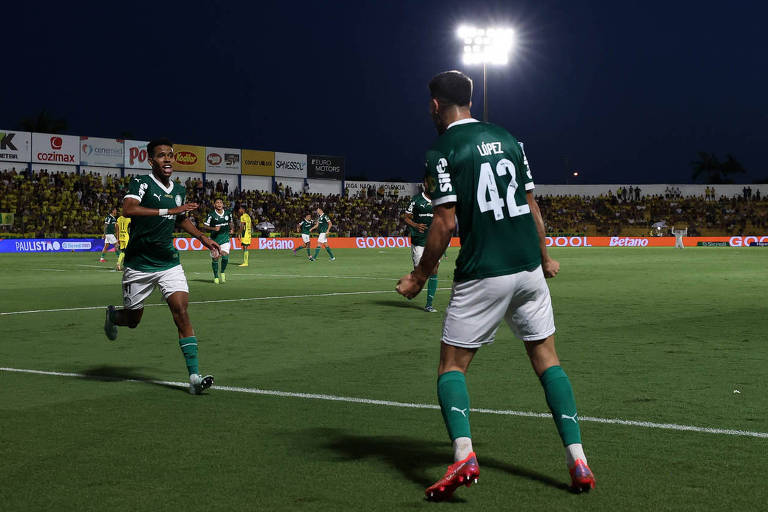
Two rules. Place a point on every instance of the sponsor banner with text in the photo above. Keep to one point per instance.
(290, 165)
(101, 152)
(258, 163)
(15, 146)
(189, 158)
(325, 167)
(637, 241)
(222, 160)
(403, 189)
(49, 148)
(135, 154)
(51, 245)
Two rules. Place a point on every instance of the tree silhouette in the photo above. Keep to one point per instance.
(713, 171)
(44, 122)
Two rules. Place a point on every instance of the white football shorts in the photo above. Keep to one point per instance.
(110, 239)
(223, 249)
(321, 238)
(477, 307)
(305, 238)
(138, 285)
(416, 252)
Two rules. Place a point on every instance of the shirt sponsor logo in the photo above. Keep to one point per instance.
(443, 177)
(489, 148)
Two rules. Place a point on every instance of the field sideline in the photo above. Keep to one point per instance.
(326, 397)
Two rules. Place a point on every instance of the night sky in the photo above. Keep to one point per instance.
(622, 91)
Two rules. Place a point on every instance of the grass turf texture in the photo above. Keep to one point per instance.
(645, 334)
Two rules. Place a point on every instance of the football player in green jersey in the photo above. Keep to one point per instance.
(109, 234)
(219, 222)
(322, 225)
(306, 227)
(156, 206)
(418, 216)
(479, 173)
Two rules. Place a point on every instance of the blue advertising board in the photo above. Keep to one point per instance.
(28, 245)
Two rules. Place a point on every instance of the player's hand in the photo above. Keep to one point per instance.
(550, 268)
(218, 228)
(421, 227)
(186, 207)
(212, 246)
(409, 285)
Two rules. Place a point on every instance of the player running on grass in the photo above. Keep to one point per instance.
(306, 227)
(219, 222)
(245, 234)
(323, 225)
(109, 234)
(479, 172)
(156, 205)
(123, 236)
(418, 216)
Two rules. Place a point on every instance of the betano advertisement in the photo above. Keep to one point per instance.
(136, 154)
(101, 152)
(258, 163)
(49, 148)
(189, 158)
(15, 146)
(222, 160)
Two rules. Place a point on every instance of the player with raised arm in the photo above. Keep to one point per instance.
(219, 222)
(479, 173)
(418, 216)
(323, 225)
(245, 234)
(109, 234)
(306, 226)
(123, 236)
(156, 206)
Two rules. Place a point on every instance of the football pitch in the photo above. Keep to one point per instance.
(325, 387)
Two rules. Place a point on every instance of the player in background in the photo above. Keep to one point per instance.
(122, 238)
(219, 222)
(479, 172)
(323, 225)
(245, 234)
(305, 226)
(156, 206)
(418, 216)
(109, 234)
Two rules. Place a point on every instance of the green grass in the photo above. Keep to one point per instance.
(645, 334)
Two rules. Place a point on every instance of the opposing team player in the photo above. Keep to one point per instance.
(109, 234)
(156, 206)
(418, 216)
(322, 225)
(245, 234)
(306, 227)
(123, 236)
(219, 222)
(479, 172)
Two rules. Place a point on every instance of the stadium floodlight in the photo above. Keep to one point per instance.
(491, 45)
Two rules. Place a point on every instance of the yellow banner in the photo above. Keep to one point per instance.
(189, 158)
(258, 163)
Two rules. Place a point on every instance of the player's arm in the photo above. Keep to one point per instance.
(314, 227)
(132, 208)
(117, 230)
(207, 224)
(408, 218)
(443, 225)
(549, 266)
(190, 228)
(328, 229)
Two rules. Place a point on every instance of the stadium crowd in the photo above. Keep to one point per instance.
(59, 204)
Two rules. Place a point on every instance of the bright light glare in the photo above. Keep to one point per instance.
(490, 46)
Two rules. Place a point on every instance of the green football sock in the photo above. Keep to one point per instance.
(317, 251)
(561, 402)
(431, 288)
(454, 403)
(215, 266)
(189, 349)
(224, 263)
(117, 250)
(308, 253)
(329, 251)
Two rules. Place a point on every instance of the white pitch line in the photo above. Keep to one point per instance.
(238, 276)
(244, 299)
(410, 405)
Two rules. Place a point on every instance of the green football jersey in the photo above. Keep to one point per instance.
(322, 223)
(306, 225)
(150, 248)
(215, 219)
(484, 170)
(109, 224)
(420, 208)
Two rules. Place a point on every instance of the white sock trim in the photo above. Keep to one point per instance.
(462, 447)
(574, 452)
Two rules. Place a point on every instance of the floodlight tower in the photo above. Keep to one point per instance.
(485, 46)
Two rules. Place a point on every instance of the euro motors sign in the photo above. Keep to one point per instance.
(15, 146)
(325, 167)
(50, 148)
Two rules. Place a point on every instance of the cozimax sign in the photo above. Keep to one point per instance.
(49, 148)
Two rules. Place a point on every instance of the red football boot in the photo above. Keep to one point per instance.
(582, 478)
(464, 472)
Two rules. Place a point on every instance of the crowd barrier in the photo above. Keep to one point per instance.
(44, 245)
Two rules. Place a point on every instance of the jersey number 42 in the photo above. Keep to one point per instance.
(488, 197)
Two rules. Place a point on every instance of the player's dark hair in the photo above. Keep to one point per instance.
(451, 88)
(157, 142)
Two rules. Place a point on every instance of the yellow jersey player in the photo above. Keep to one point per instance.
(122, 239)
(245, 234)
